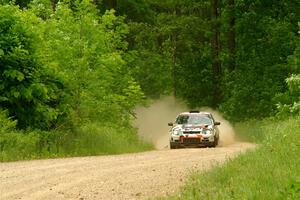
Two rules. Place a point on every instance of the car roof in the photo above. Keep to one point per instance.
(195, 113)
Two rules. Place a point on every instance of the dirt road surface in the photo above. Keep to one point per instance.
(130, 176)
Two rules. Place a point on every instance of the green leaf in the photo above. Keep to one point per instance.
(20, 76)
(1, 53)
(3, 99)
(16, 94)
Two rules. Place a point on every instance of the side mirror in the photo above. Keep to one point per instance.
(170, 124)
(217, 123)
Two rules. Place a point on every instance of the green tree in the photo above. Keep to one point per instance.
(174, 35)
(28, 91)
(289, 102)
(265, 37)
(87, 50)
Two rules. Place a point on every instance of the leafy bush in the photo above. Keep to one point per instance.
(87, 50)
(27, 91)
(7, 124)
(89, 139)
(292, 106)
(288, 103)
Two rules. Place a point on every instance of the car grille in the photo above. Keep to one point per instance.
(191, 132)
(191, 140)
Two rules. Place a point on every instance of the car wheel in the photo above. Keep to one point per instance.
(173, 146)
(215, 143)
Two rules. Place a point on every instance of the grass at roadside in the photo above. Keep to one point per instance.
(272, 171)
(90, 139)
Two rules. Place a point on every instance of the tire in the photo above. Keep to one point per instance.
(215, 143)
(173, 146)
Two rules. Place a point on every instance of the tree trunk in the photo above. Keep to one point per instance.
(174, 38)
(231, 36)
(174, 63)
(215, 53)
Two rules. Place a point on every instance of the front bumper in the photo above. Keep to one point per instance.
(192, 142)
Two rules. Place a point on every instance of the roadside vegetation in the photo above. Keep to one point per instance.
(65, 87)
(86, 140)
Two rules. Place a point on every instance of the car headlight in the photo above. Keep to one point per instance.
(208, 131)
(176, 132)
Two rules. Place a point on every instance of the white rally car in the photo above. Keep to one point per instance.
(194, 129)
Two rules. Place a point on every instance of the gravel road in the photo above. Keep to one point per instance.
(129, 176)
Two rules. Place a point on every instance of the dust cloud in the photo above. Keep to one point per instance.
(152, 122)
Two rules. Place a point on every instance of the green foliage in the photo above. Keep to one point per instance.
(21, 3)
(65, 81)
(288, 103)
(41, 8)
(177, 37)
(147, 63)
(265, 39)
(68, 65)
(293, 83)
(173, 37)
(27, 91)
(292, 190)
(88, 50)
(90, 139)
(269, 172)
(7, 125)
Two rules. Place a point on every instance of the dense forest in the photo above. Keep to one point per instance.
(71, 69)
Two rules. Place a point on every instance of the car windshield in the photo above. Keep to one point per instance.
(193, 119)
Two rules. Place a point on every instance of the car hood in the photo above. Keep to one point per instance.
(191, 127)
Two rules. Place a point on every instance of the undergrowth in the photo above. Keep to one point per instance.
(86, 140)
